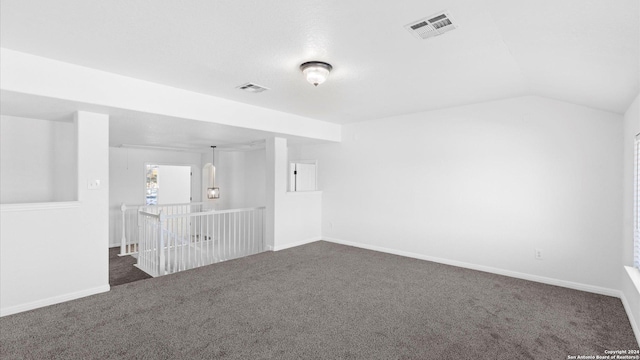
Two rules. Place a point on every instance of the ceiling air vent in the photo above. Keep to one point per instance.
(252, 88)
(434, 25)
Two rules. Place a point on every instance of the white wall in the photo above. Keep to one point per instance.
(483, 185)
(65, 153)
(254, 180)
(37, 160)
(230, 179)
(300, 219)
(55, 252)
(631, 292)
(292, 218)
(128, 184)
(240, 175)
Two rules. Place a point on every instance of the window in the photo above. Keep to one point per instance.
(152, 185)
(636, 230)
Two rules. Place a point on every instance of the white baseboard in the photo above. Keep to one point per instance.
(541, 279)
(297, 243)
(514, 274)
(53, 300)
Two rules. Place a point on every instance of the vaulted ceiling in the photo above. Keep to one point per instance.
(580, 51)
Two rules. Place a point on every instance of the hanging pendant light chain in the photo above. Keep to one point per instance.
(213, 192)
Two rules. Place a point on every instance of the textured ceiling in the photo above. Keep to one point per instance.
(580, 51)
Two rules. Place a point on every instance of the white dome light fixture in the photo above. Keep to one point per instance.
(316, 72)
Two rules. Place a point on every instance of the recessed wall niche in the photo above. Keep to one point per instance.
(38, 160)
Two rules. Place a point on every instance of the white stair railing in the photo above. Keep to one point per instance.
(149, 244)
(130, 226)
(182, 241)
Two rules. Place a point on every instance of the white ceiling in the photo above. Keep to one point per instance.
(580, 51)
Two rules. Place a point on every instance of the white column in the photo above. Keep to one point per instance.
(276, 182)
(93, 193)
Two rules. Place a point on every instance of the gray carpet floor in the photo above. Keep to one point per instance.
(122, 269)
(323, 301)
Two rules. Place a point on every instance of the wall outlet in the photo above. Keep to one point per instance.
(93, 184)
(538, 254)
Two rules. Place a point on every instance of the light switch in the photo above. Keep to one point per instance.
(93, 184)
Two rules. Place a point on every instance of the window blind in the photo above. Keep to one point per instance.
(636, 230)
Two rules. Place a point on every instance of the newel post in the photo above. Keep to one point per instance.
(161, 264)
(123, 241)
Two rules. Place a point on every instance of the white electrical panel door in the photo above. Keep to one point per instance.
(303, 177)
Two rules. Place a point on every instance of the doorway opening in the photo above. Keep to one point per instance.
(167, 184)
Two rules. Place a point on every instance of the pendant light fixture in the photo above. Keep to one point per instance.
(316, 72)
(212, 191)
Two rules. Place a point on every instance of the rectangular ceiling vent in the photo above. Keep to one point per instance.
(434, 25)
(252, 88)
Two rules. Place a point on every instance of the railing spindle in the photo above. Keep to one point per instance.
(176, 242)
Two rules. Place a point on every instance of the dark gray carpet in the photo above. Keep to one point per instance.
(122, 269)
(323, 301)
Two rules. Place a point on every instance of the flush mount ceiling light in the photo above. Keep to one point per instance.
(316, 72)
